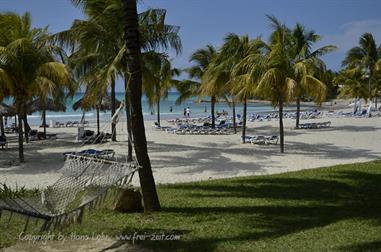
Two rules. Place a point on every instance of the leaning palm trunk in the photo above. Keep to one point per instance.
(44, 121)
(2, 126)
(21, 142)
(19, 110)
(133, 60)
(297, 112)
(26, 126)
(281, 130)
(158, 110)
(98, 126)
(113, 109)
(244, 120)
(234, 117)
(212, 103)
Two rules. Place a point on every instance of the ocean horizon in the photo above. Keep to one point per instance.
(168, 109)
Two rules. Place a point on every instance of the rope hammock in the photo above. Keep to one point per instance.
(84, 182)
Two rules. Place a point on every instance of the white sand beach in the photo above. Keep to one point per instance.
(184, 158)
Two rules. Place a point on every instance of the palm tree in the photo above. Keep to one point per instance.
(157, 78)
(99, 43)
(246, 72)
(303, 41)
(365, 56)
(277, 83)
(133, 60)
(352, 83)
(202, 58)
(27, 60)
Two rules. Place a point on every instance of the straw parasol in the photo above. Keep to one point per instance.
(7, 110)
(45, 105)
(104, 105)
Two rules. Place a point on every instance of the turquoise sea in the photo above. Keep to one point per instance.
(197, 108)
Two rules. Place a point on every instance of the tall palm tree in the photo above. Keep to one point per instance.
(158, 78)
(28, 59)
(277, 83)
(246, 72)
(202, 58)
(352, 83)
(303, 41)
(133, 56)
(365, 56)
(99, 39)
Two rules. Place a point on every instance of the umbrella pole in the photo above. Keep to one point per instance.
(44, 122)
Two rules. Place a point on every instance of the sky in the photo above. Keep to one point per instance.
(202, 22)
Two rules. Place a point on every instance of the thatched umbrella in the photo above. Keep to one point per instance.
(5, 110)
(45, 105)
(104, 104)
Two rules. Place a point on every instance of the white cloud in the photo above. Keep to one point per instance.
(349, 34)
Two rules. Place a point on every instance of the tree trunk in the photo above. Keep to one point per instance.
(133, 57)
(375, 103)
(44, 122)
(98, 124)
(2, 126)
(234, 117)
(244, 121)
(21, 142)
(281, 130)
(113, 109)
(212, 103)
(128, 119)
(158, 110)
(297, 111)
(26, 127)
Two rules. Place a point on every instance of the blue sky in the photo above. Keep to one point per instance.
(340, 22)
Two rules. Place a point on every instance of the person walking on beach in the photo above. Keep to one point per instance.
(185, 112)
(188, 112)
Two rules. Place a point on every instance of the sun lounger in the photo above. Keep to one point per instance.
(258, 140)
(272, 140)
(69, 124)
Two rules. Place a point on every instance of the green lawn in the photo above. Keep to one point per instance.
(334, 208)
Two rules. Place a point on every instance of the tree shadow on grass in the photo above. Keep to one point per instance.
(271, 207)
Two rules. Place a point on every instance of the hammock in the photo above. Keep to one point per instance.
(84, 182)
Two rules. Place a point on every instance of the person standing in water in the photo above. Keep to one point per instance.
(170, 109)
(185, 112)
(188, 112)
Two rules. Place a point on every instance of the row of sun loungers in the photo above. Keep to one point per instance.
(107, 154)
(363, 113)
(70, 124)
(289, 115)
(222, 128)
(318, 125)
(200, 131)
(260, 139)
